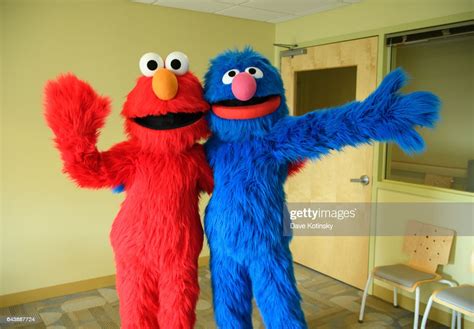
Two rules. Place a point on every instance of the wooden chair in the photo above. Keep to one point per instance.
(459, 299)
(428, 247)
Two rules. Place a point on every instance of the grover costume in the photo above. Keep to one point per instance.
(157, 235)
(253, 142)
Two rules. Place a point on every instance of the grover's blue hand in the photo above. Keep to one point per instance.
(401, 114)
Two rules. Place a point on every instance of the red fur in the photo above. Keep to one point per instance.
(296, 167)
(157, 235)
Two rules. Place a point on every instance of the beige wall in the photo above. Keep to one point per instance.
(53, 232)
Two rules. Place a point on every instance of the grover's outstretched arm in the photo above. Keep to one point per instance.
(386, 115)
(75, 113)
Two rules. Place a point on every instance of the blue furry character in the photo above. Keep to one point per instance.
(254, 141)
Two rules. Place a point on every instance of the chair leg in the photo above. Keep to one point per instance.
(427, 313)
(364, 297)
(395, 297)
(417, 308)
(459, 320)
(453, 320)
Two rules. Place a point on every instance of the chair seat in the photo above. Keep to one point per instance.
(403, 275)
(462, 297)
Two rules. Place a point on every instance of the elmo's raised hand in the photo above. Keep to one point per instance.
(73, 108)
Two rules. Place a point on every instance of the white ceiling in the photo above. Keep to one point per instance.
(272, 11)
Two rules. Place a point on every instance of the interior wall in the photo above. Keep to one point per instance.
(54, 232)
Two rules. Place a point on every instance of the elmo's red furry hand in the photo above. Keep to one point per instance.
(73, 106)
(157, 235)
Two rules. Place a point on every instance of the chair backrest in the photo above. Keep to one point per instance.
(428, 245)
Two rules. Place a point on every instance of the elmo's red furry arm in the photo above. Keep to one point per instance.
(206, 178)
(75, 113)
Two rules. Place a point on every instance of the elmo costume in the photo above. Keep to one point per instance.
(157, 235)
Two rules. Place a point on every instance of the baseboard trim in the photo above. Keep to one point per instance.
(29, 296)
(408, 303)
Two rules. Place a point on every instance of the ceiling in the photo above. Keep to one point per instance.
(272, 11)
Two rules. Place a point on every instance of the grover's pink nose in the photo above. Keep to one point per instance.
(244, 86)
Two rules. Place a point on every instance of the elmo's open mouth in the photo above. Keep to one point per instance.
(168, 121)
(240, 110)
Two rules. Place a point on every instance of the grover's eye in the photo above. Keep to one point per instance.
(149, 63)
(229, 76)
(177, 62)
(255, 72)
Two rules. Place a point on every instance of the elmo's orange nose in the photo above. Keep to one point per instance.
(165, 84)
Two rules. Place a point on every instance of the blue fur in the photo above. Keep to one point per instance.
(118, 189)
(244, 218)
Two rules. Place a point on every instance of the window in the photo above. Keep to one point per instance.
(441, 61)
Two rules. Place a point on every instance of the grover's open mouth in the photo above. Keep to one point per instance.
(241, 110)
(168, 121)
(252, 101)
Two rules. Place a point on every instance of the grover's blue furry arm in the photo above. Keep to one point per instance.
(386, 115)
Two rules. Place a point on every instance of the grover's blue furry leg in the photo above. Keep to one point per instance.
(274, 286)
(232, 293)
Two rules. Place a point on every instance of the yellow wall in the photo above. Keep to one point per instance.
(380, 17)
(53, 232)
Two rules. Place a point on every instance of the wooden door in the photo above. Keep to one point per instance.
(351, 67)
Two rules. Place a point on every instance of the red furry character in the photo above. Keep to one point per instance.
(157, 235)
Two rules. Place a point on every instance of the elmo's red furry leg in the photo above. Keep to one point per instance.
(138, 297)
(179, 291)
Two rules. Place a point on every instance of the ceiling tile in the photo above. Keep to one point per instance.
(282, 19)
(321, 8)
(208, 6)
(290, 7)
(272, 11)
(250, 13)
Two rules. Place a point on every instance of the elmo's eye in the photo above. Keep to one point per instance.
(149, 63)
(177, 62)
(229, 76)
(255, 72)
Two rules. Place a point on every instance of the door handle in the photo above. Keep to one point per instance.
(364, 180)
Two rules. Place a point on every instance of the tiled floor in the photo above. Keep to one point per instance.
(327, 304)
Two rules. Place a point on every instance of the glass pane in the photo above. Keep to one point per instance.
(318, 89)
(444, 67)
